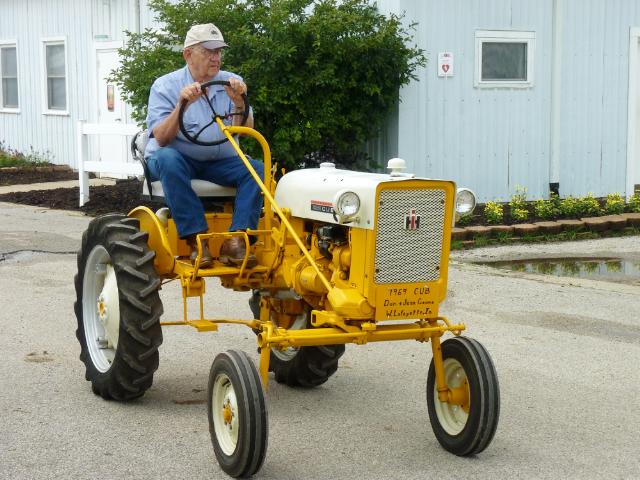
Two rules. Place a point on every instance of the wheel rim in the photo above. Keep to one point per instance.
(224, 407)
(289, 353)
(452, 418)
(100, 308)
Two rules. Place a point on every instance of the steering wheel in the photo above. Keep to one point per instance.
(194, 138)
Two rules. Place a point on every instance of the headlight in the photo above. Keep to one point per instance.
(346, 206)
(465, 202)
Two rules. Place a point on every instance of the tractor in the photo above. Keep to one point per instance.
(344, 257)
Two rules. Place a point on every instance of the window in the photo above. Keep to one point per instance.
(504, 59)
(55, 68)
(9, 76)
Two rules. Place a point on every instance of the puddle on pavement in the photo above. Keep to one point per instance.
(605, 269)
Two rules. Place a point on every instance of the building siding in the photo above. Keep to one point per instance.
(81, 23)
(490, 140)
(494, 140)
(594, 95)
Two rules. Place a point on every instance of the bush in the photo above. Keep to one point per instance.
(322, 75)
(463, 221)
(493, 213)
(547, 209)
(614, 204)
(569, 207)
(518, 205)
(589, 206)
(10, 157)
(634, 203)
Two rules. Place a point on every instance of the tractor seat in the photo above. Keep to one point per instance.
(202, 188)
(207, 191)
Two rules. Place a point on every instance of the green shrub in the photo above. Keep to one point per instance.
(569, 207)
(322, 75)
(634, 203)
(10, 157)
(493, 213)
(547, 209)
(614, 204)
(463, 221)
(518, 205)
(589, 206)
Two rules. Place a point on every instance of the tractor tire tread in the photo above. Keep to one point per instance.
(311, 366)
(127, 246)
(146, 258)
(136, 357)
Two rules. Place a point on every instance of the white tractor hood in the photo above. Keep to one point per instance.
(311, 192)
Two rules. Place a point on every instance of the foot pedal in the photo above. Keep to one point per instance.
(204, 325)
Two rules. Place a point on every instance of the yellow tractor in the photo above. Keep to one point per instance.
(344, 257)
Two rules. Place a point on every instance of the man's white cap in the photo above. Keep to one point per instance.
(207, 35)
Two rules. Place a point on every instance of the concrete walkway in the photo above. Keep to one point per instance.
(51, 185)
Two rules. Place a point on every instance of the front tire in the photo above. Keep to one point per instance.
(237, 414)
(118, 308)
(468, 428)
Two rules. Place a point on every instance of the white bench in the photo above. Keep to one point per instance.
(85, 167)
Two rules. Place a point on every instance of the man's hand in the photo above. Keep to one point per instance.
(235, 91)
(190, 93)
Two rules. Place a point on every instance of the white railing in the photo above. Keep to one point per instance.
(85, 167)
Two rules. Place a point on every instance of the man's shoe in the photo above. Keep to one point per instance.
(233, 250)
(206, 260)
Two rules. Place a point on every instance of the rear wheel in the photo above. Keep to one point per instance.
(305, 367)
(118, 308)
(465, 427)
(237, 414)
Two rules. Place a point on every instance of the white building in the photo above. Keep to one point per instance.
(537, 93)
(54, 57)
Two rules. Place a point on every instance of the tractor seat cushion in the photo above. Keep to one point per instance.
(202, 188)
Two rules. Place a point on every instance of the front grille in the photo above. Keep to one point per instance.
(409, 254)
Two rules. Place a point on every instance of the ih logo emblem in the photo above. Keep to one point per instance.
(412, 221)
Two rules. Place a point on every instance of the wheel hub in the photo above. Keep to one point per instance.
(227, 413)
(453, 414)
(100, 308)
(109, 308)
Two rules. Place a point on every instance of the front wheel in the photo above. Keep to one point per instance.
(237, 414)
(467, 425)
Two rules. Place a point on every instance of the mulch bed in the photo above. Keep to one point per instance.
(11, 176)
(121, 197)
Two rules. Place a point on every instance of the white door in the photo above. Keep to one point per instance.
(111, 109)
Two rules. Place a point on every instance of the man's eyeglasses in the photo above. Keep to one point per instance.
(210, 53)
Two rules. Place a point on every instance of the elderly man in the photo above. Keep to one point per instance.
(175, 161)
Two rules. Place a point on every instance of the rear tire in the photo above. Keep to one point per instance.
(465, 431)
(118, 308)
(305, 367)
(237, 414)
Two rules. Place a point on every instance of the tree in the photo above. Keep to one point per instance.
(322, 74)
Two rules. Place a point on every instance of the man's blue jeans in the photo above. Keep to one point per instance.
(176, 171)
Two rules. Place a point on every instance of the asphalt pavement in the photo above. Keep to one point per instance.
(567, 352)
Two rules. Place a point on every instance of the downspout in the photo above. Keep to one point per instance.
(556, 84)
(137, 17)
